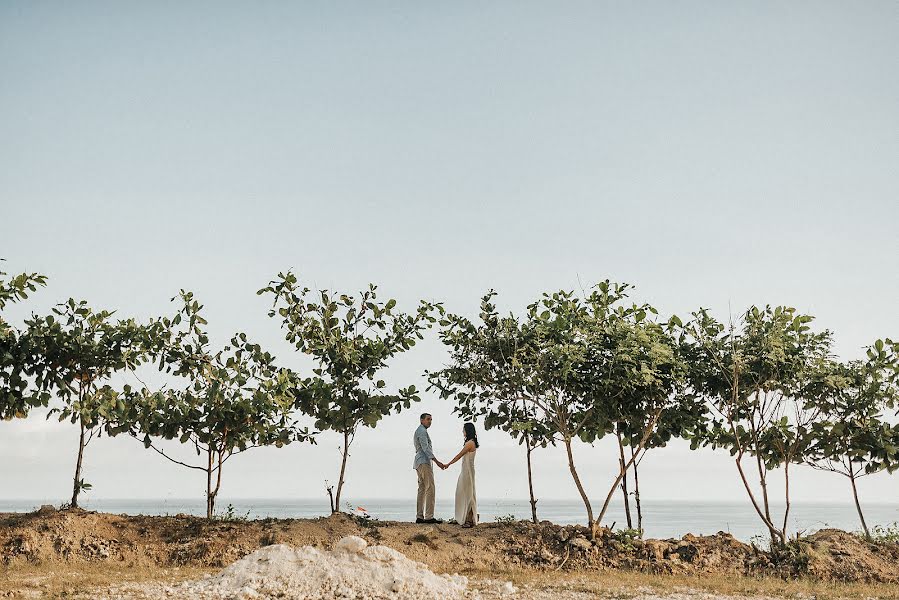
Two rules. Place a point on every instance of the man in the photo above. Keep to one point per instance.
(424, 507)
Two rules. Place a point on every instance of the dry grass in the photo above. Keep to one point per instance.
(625, 584)
(80, 580)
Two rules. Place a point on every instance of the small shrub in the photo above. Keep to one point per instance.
(506, 519)
(231, 516)
(794, 555)
(625, 539)
(361, 517)
(885, 533)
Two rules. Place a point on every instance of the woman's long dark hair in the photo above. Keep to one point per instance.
(471, 434)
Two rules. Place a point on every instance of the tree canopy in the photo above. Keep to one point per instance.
(232, 399)
(351, 339)
(78, 350)
(18, 357)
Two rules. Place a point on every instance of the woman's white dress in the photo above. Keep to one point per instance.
(466, 499)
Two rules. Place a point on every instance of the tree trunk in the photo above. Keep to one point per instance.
(210, 498)
(218, 480)
(621, 473)
(76, 488)
(776, 535)
(858, 505)
(527, 443)
(763, 481)
(346, 452)
(637, 496)
(647, 432)
(330, 490)
(577, 483)
(786, 497)
(621, 463)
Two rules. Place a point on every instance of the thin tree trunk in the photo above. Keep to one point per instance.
(76, 489)
(577, 483)
(775, 533)
(218, 483)
(763, 482)
(210, 500)
(346, 452)
(330, 490)
(858, 505)
(637, 495)
(763, 515)
(786, 497)
(527, 443)
(623, 470)
(738, 460)
(621, 463)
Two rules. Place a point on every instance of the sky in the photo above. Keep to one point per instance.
(714, 154)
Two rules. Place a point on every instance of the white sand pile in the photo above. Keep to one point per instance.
(351, 570)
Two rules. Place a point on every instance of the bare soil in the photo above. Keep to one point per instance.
(168, 548)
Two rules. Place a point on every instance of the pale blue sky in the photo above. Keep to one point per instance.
(712, 153)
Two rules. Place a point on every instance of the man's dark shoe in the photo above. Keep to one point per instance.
(433, 521)
(419, 520)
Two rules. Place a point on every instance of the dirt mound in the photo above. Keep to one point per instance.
(834, 555)
(353, 569)
(570, 547)
(174, 541)
(78, 535)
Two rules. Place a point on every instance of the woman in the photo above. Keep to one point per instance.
(466, 500)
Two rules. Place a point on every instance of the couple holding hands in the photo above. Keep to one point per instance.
(466, 501)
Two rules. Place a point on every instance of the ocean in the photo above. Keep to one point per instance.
(661, 519)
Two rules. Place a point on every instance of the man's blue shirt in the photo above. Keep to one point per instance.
(423, 452)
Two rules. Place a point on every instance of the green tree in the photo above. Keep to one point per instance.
(80, 350)
(350, 339)
(852, 438)
(490, 378)
(678, 420)
(759, 381)
(635, 377)
(17, 356)
(559, 397)
(233, 399)
(577, 362)
(642, 399)
(17, 288)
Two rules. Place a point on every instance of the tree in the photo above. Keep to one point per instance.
(577, 364)
(682, 418)
(636, 382)
(79, 350)
(558, 394)
(852, 438)
(17, 357)
(351, 339)
(234, 398)
(490, 378)
(649, 403)
(758, 381)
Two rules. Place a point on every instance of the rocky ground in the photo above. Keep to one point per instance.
(544, 559)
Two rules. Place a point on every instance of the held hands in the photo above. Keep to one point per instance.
(442, 465)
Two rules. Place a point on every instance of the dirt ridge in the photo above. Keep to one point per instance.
(50, 536)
